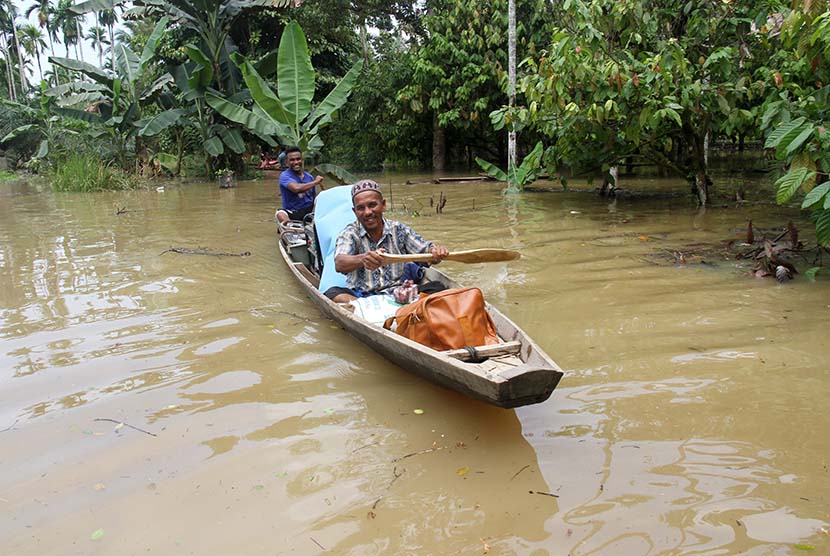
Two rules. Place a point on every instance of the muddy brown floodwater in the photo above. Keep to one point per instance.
(692, 418)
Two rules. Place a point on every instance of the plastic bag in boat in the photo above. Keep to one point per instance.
(375, 308)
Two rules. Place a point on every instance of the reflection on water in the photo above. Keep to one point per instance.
(691, 419)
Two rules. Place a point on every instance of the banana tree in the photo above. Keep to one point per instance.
(210, 20)
(113, 102)
(189, 110)
(517, 176)
(48, 126)
(288, 115)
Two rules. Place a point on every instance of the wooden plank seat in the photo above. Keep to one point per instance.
(493, 350)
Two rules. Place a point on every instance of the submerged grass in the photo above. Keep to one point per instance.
(82, 172)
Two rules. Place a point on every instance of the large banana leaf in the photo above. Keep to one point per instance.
(236, 113)
(129, 65)
(214, 146)
(232, 138)
(74, 87)
(183, 76)
(80, 99)
(491, 169)
(264, 96)
(337, 172)
(295, 76)
(168, 161)
(152, 42)
(80, 115)
(18, 132)
(157, 86)
(93, 72)
(94, 6)
(286, 134)
(202, 75)
(43, 150)
(335, 99)
(162, 121)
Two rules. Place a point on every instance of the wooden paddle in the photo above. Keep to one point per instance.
(469, 256)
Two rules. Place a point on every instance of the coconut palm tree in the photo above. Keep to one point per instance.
(6, 49)
(108, 18)
(8, 15)
(97, 35)
(65, 20)
(31, 39)
(44, 20)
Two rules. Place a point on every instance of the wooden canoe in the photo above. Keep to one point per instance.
(515, 372)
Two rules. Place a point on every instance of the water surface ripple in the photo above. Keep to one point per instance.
(198, 404)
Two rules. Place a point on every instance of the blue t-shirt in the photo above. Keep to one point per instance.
(295, 201)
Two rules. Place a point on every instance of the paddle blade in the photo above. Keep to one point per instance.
(470, 256)
(484, 256)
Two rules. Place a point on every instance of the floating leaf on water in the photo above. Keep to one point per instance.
(281, 474)
(418, 411)
(96, 535)
(644, 238)
(328, 410)
(371, 514)
(461, 471)
(259, 487)
(87, 432)
(172, 406)
(119, 426)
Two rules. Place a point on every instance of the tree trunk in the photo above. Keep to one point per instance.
(702, 187)
(52, 50)
(9, 73)
(438, 145)
(179, 151)
(112, 44)
(700, 144)
(364, 44)
(80, 43)
(19, 58)
(512, 159)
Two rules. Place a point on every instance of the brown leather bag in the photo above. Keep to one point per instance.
(450, 319)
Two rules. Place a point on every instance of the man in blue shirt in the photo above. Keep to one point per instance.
(297, 188)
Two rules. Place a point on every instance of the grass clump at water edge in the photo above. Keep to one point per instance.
(81, 172)
(5, 175)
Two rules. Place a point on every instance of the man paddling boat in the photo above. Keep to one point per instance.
(359, 249)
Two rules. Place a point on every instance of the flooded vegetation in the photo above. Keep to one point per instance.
(174, 402)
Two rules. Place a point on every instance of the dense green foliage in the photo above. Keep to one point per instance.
(601, 84)
(654, 80)
(797, 111)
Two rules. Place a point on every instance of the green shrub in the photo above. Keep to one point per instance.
(82, 172)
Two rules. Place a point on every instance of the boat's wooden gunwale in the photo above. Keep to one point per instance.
(509, 386)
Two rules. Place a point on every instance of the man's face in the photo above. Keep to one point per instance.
(295, 161)
(369, 207)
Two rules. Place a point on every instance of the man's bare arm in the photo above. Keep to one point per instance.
(297, 187)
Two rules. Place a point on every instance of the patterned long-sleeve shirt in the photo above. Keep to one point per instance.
(397, 239)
